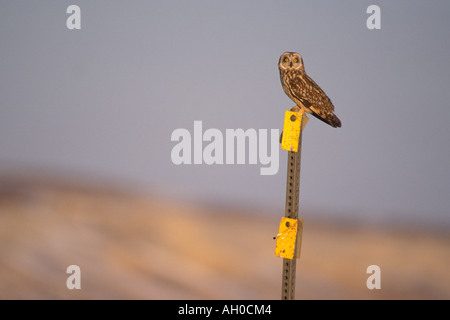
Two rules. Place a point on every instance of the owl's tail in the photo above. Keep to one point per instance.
(329, 118)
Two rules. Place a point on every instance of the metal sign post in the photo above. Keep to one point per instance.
(291, 227)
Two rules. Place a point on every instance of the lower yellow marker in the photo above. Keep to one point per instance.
(289, 238)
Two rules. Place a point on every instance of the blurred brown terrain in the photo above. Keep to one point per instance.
(131, 246)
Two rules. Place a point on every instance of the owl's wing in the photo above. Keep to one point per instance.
(305, 89)
(314, 98)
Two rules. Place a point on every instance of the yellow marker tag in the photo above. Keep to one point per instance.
(293, 121)
(289, 238)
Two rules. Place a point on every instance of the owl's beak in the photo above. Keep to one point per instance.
(290, 64)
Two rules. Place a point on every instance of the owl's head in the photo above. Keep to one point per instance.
(290, 61)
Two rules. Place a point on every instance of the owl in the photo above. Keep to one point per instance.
(304, 91)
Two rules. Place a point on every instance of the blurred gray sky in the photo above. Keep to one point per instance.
(104, 100)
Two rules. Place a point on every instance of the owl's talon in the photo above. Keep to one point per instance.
(281, 136)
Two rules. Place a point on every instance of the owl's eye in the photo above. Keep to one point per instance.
(295, 60)
(286, 59)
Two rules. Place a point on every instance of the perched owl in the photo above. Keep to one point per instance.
(304, 91)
